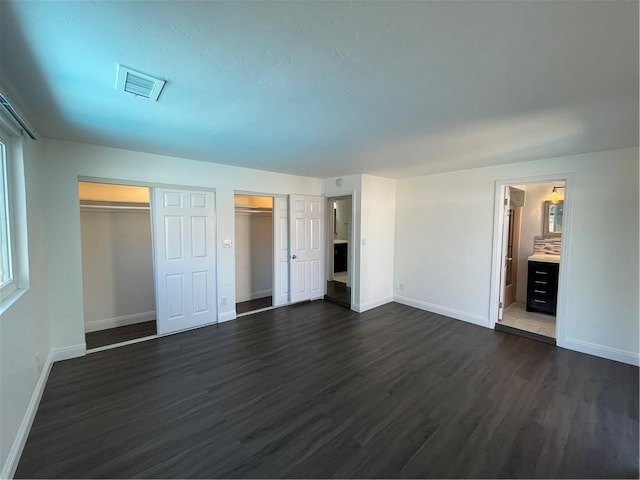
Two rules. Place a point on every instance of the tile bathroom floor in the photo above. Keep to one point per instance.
(516, 316)
(340, 277)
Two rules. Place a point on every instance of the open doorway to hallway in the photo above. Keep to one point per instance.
(339, 250)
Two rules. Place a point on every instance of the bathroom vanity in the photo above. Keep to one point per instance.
(340, 255)
(542, 283)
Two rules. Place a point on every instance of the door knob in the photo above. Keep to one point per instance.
(293, 257)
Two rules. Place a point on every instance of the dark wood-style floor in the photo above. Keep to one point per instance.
(316, 390)
(338, 293)
(120, 334)
(255, 304)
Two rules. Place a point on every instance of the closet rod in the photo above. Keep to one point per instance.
(253, 210)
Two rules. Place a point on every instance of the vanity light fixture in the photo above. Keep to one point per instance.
(554, 194)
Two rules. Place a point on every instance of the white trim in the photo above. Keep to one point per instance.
(11, 463)
(121, 344)
(254, 295)
(105, 323)
(259, 310)
(500, 185)
(226, 316)
(446, 311)
(72, 351)
(363, 307)
(601, 351)
(10, 299)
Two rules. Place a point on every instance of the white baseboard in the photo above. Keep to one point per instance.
(363, 307)
(447, 312)
(65, 353)
(616, 354)
(253, 295)
(11, 463)
(226, 316)
(96, 325)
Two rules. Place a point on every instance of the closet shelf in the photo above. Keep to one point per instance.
(101, 205)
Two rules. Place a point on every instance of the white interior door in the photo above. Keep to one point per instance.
(306, 237)
(505, 247)
(184, 256)
(280, 251)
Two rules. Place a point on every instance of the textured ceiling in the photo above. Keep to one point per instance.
(332, 88)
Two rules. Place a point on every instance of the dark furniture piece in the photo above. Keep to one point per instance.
(340, 255)
(542, 287)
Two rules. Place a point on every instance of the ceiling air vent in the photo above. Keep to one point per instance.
(138, 84)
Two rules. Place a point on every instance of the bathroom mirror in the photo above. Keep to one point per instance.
(552, 221)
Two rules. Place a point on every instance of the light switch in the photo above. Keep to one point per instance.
(226, 243)
(364, 241)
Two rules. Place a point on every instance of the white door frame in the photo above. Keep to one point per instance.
(351, 250)
(498, 222)
(506, 205)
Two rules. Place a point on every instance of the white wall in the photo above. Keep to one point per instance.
(443, 247)
(254, 255)
(531, 216)
(373, 219)
(377, 231)
(343, 219)
(63, 162)
(24, 326)
(117, 267)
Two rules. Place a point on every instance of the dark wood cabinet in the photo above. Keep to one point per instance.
(340, 256)
(542, 287)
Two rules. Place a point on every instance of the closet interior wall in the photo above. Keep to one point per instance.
(254, 247)
(117, 257)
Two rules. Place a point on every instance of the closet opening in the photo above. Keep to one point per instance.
(254, 233)
(339, 251)
(531, 252)
(117, 264)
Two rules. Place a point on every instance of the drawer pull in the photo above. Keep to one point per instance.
(540, 282)
(540, 291)
(542, 273)
(538, 301)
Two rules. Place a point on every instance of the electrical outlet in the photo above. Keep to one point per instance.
(38, 359)
(401, 287)
(223, 301)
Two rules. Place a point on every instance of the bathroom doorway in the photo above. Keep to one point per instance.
(531, 234)
(254, 229)
(339, 250)
(117, 264)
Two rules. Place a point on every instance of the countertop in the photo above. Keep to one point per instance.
(339, 242)
(544, 257)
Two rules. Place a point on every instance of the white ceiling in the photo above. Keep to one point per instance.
(332, 88)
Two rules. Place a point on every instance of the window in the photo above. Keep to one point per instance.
(7, 283)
